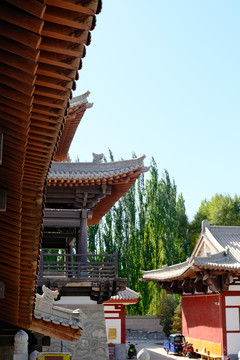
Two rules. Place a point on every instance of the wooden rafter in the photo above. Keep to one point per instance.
(39, 59)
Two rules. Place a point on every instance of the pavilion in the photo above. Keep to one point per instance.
(209, 282)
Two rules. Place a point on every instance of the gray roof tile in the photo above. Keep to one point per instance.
(226, 242)
(127, 294)
(91, 170)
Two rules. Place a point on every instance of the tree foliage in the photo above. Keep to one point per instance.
(219, 210)
(166, 311)
(177, 319)
(148, 227)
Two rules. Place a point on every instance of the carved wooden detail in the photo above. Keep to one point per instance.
(204, 281)
(82, 197)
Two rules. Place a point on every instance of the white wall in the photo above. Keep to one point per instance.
(114, 324)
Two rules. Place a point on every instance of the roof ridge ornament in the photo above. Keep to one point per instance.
(97, 158)
(205, 224)
(46, 310)
(81, 99)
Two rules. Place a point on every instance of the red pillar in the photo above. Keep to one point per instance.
(123, 324)
(223, 323)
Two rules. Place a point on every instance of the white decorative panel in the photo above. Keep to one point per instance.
(234, 288)
(109, 308)
(114, 324)
(232, 300)
(233, 342)
(232, 319)
(111, 315)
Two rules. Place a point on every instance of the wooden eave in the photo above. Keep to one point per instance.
(74, 117)
(198, 279)
(39, 64)
(120, 185)
(55, 330)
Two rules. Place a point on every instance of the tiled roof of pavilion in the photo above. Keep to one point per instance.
(167, 272)
(91, 173)
(218, 249)
(121, 175)
(127, 294)
(42, 43)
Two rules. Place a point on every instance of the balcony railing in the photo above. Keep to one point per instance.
(75, 268)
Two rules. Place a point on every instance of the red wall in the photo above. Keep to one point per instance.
(201, 317)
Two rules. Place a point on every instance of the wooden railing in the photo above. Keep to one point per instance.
(83, 267)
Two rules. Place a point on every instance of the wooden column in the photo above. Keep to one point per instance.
(82, 237)
(82, 243)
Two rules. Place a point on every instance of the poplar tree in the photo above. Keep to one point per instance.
(148, 227)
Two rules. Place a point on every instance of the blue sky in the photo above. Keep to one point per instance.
(165, 82)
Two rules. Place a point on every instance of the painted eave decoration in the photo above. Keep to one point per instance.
(41, 47)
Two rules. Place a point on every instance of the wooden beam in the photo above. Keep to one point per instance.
(20, 19)
(32, 7)
(60, 47)
(72, 64)
(45, 82)
(55, 75)
(3, 198)
(41, 100)
(20, 35)
(61, 218)
(50, 114)
(71, 35)
(22, 87)
(17, 74)
(18, 62)
(71, 5)
(68, 18)
(53, 330)
(39, 90)
(15, 105)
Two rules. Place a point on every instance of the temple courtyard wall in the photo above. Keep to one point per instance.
(93, 342)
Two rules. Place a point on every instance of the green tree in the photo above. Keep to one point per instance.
(177, 319)
(93, 239)
(183, 239)
(224, 210)
(167, 307)
(219, 210)
(148, 228)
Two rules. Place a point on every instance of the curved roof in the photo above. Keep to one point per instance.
(127, 296)
(63, 173)
(42, 44)
(218, 248)
(170, 272)
(120, 175)
(78, 106)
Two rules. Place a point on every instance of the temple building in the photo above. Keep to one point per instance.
(209, 282)
(42, 44)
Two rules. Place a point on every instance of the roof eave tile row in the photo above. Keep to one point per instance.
(90, 173)
(226, 241)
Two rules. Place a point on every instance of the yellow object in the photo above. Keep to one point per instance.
(207, 349)
(54, 356)
(112, 333)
